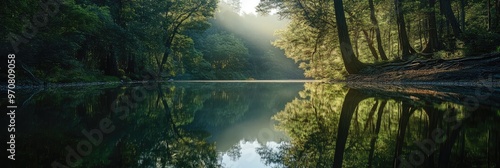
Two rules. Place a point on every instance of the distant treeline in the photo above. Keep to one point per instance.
(108, 40)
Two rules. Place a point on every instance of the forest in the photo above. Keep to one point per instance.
(366, 34)
(63, 41)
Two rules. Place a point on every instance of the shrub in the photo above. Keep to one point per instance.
(480, 42)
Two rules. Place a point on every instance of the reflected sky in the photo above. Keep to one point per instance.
(249, 156)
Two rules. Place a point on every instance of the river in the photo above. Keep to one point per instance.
(257, 124)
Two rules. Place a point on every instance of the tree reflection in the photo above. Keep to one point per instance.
(154, 132)
(170, 125)
(379, 129)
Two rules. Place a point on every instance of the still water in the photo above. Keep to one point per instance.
(238, 124)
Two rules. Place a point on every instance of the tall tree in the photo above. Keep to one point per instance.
(374, 21)
(448, 13)
(179, 15)
(351, 63)
(433, 42)
(462, 14)
(488, 4)
(404, 43)
(496, 24)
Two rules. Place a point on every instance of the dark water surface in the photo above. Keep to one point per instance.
(272, 124)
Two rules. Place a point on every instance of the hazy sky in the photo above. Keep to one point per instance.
(248, 6)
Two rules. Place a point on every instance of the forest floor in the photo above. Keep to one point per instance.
(475, 79)
(473, 70)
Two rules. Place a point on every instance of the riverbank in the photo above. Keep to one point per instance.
(468, 71)
(483, 70)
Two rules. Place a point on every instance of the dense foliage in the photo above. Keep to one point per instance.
(90, 40)
(382, 30)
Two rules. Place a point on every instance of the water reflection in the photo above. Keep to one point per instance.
(172, 125)
(236, 124)
(376, 128)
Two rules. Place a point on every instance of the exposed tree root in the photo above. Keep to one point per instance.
(484, 68)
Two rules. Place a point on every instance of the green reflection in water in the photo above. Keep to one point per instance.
(179, 125)
(333, 126)
(197, 124)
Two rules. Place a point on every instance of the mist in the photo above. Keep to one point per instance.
(257, 32)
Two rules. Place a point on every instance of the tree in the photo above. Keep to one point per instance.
(180, 15)
(351, 63)
(433, 42)
(448, 13)
(496, 24)
(227, 55)
(404, 43)
(351, 101)
(374, 21)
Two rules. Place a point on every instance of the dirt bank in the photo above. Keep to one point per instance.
(462, 71)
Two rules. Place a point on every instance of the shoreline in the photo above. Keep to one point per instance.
(348, 82)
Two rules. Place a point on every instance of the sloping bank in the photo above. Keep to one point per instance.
(467, 71)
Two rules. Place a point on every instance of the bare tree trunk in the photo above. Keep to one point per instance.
(390, 44)
(420, 36)
(351, 63)
(496, 21)
(373, 18)
(404, 43)
(433, 43)
(356, 46)
(370, 45)
(450, 17)
(111, 65)
(164, 58)
(489, 14)
(462, 14)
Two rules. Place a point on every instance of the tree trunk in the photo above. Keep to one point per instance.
(370, 45)
(390, 44)
(164, 58)
(131, 64)
(446, 147)
(111, 63)
(403, 123)
(373, 18)
(108, 62)
(351, 101)
(404, 43)
(462, 14)
(351, 63)
(450, 17)
(356, 46)
(489, 14)
(377, 131)
(496, 21)
(433, 43)
(435, 117)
